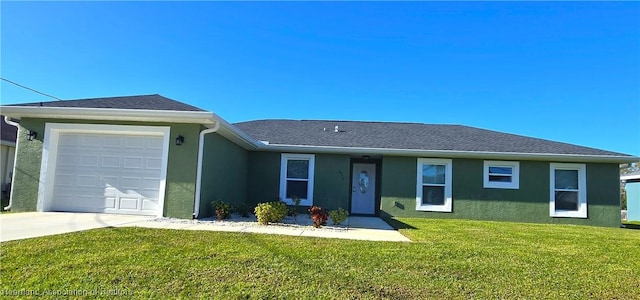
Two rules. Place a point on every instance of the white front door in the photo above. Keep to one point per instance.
(363, 189)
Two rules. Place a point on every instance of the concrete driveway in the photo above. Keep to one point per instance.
(17, 226)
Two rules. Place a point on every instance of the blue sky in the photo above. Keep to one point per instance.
(563, 71)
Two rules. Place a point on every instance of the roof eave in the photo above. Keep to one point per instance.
(236, 135)
(452, 154)
(112, 114)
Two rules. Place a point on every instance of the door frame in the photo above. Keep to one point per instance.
(378, 166)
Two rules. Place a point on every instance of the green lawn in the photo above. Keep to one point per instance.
(448, 259)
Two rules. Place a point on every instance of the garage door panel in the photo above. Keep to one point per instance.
(149, 205)
(65, 180)
(68, 140)
(131, 162)
(108, 173)
(110, 203)
(150, 195)
(67, 160)
(92, 140)
(153, 163)
(156, 143)
(110, 161)
(150, 183)
(129, 203)
(112, 141)
(87, 181)
(88, 161)
(131, 183)
(133, 143)
(80, 203)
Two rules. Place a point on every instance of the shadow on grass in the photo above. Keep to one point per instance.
(630, 226)
(396, 224)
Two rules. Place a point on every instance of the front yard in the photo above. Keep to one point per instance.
(448, 259)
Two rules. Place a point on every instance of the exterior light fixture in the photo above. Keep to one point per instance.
(31, 135)
(179, 140)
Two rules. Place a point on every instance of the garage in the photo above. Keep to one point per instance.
(106, 169)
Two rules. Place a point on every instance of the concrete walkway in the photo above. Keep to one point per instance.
(15, 226)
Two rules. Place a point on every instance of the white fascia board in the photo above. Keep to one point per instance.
(236, 135)
(111, 114)
(451, 154)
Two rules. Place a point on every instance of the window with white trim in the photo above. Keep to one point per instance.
(568, 195)
(433, 189)
(296, 178)
(501, 174)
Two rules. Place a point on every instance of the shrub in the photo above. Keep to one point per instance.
(338, 216)
(270, 212)
(294, 208)
(243, 210)
(318, 215)
(223, 210)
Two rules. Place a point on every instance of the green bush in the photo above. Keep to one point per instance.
(338, 216)
(222, 210)
(296, 204)
(243, 210)
(270, 212)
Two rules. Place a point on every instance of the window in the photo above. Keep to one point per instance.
(433, 190)
(501, 174)
(568, 191)
(296, 178)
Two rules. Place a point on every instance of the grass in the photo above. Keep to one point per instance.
(449, 259)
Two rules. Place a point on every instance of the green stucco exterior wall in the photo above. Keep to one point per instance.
(529, 203)
(27, 167)
(182, 171)
(331, 179)
(181, 167)
(224, 173)
(332, 182)
(263, 181)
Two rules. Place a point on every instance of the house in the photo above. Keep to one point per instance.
(151, 155)
(7, 153)
(632, 187)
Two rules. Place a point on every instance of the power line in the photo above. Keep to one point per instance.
(28, 88)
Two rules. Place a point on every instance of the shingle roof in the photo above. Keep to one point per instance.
(147, 102)
(410, 136)
(8, 132)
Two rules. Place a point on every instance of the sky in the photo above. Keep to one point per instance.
(563, 71)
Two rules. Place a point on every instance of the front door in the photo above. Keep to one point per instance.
(363, 189)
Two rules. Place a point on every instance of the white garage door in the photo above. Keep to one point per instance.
(108, 173)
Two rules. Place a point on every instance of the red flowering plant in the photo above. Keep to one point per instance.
(319, 216)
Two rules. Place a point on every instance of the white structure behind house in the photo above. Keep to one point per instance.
(632, 187)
